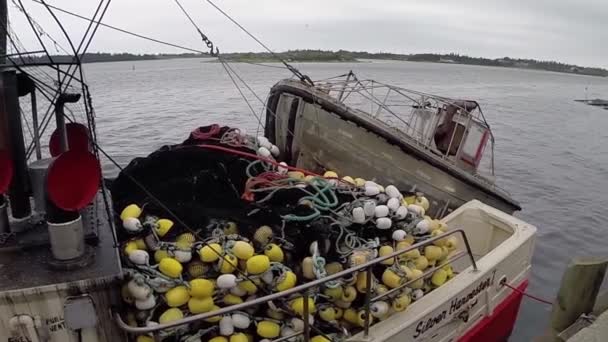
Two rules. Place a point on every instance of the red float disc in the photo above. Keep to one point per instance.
(6, 171)
(78, 139)
(73, 179)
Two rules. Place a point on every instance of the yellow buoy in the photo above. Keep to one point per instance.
(258, 264)
(274, 253)
(408, 200)
(349, 180)
(227, 264)
(349, 294)
(214, 319)
(309, 178)
(141, 244)
(433, 252)
(401, 302)
(211, 252)
(350, 315)
(186, 238)
(339, 312)
(231, 299)
(333, 267)
(391, 279)
(449, 271)
(132, 210)
(197, 269)
(200, 305)
(170, 267)
(380, 289)
(287, 281)
(231, 228)
(434, 225)
(439, 277)
(342, 304)
(238, 337)
(423, 202)
(439, 242)
(248, 286)
(268, 329)
(334, 293)
(319, 338)
(177, 296)
(296, 175)
(219, 339)
(307, 268)
(327, 313)
(361, 283)
(170, 315)
(451, 243)
(359, 182)
(275, 314)
(130, 247)
(297, 305)
(242, 250)
(144, 338)
(330, 174)
(163, 226)
(416, 274)
(421, 263)
(263, 235)
(384, 251)
(160, 255)
(201, 288)
(361, 318)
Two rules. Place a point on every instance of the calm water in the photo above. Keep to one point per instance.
(550, 151)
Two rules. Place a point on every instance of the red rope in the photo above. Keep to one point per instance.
(528, 295)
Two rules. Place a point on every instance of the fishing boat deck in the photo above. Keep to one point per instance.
(23, 268)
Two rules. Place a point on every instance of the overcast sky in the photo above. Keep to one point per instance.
(572, 31)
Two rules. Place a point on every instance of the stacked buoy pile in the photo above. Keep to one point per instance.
(172, 272)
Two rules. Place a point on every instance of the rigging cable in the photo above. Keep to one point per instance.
(296, 72)
(122, 30)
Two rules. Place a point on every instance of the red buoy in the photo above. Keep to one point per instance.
(78, 139)
(73, 179)
(6, 171)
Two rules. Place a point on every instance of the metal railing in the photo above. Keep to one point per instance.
(304, 289)
(376, 98)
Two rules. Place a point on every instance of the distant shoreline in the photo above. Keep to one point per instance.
(341, 56)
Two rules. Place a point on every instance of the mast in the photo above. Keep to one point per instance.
(11, 130)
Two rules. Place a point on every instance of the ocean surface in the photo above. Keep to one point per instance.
(551, 152)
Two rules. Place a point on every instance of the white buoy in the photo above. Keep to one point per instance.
(139, 291)
(379, 309)
(264, 152)
(267, 277)
(139, 257)
(383, 223)
(226, 326)
(393, 204)
(381, 211)
(393, 192)
(226, 281)
(238, 291)
(264, 142)
(358, 215)
(241, 321)
(146, 304)
(369, 208)
(423, 227)
(399, 235)
(282, 168)
(275, 150)
(132, 224)
(182, 256)
(417, 294)
(371, 190)
(401, 212)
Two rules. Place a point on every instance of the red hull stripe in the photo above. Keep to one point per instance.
(499, 325)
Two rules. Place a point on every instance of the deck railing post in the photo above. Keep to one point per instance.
(306, 318)
(368, 297)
